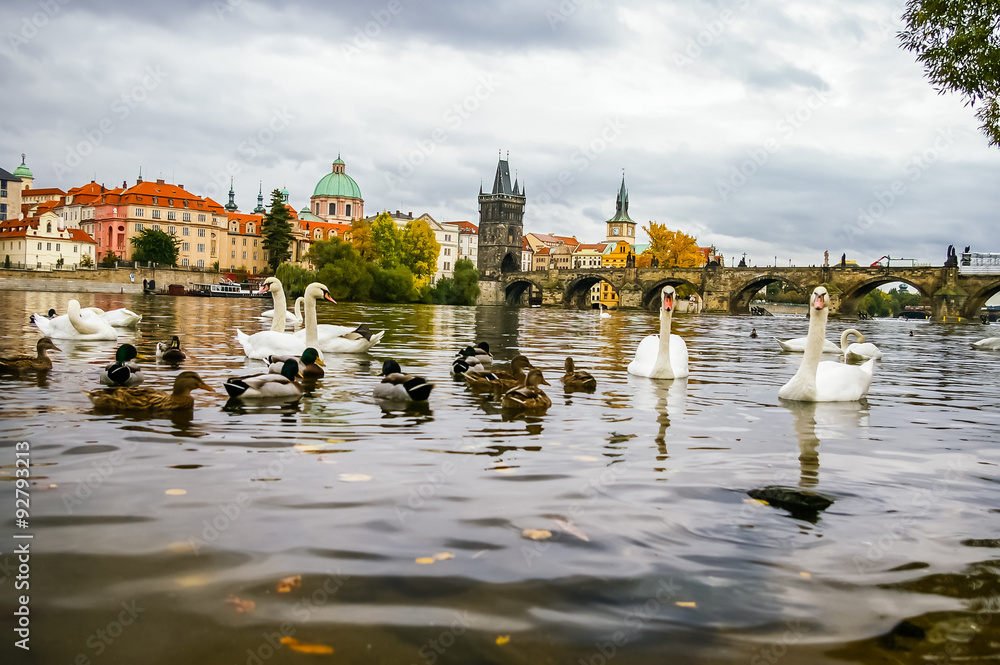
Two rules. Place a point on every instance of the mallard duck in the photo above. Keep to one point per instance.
(483, 355)
(500, 381)
(574, 380)
(529, 397)
(267, 385)
(122, 372)
(753, 333)
(466, 361)
(310, 364)
(401, 387)
(170, 352)
(150, 399)
(50, 315)
(37, 363)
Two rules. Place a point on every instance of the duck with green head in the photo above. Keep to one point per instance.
(310, 364)
(123, 372)
(170, 353)
(267, 385)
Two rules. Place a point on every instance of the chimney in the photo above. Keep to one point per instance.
(160, 182)
(180, 186)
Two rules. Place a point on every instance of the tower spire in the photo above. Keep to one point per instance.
(231, 206)
(260, 200)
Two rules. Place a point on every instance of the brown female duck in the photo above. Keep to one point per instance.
(500, 381)
(38, 363)
(528, 398)
(150, 399)
(577, 380)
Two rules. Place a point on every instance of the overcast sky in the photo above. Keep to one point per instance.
(776, 129)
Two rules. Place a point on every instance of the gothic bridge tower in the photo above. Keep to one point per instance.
(501, 219)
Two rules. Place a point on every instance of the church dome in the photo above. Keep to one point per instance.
(337, 183)
(22, 171)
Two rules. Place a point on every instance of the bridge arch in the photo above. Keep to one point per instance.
(739, 301)
(514, 289)
(852, 297)
(576, 293)
(977, 300)
(651, 296)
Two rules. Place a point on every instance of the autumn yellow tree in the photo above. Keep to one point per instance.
(672, 248)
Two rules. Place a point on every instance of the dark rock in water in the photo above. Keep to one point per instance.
(802, 504)
(902, 630)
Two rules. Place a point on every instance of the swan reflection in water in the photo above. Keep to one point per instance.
(666, 398)
(823, 421)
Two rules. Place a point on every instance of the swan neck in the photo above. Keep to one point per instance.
(814, 345)
(278, 300)
(662, 368)
(298, 308)
(844, 336)
(81, 326)
(312, 333)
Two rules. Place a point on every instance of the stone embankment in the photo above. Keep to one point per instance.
(102, 280)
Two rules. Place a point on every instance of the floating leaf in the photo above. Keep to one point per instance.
(586, 458)
(686, 603)
(181, 547)
(756, 502)
(805, 574)
(504, 469)
(193, 581)
(305, 647)
(426, 559)
(176, 492)
(570, 529)
(241, 605)
(287, 584)
(442, 556)
(355, 477)
(536, 534)
(503, 639)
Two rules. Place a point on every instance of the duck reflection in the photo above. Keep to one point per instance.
(818, 421)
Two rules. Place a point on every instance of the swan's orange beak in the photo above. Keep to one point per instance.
(819, 303)
(668, 302)
(264, 289)
(327, 296)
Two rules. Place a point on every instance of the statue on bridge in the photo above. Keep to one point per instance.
(952, 260)
(742, 263)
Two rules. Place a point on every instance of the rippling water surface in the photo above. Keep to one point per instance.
(307, 522)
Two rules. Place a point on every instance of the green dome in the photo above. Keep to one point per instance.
(23, 171)
(338, 183)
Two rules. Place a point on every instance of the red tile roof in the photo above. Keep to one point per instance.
(51, 191)
(466, 227)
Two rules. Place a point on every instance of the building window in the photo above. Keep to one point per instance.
(255, 256)
(201, 248)
(185, 262)
(156, 214)
(244, 242)
(234, 241)
(39, 246)
(317, 209)
(201, 263)
(447, 265)
(138, 227)
(348, 210)
(156, 227)
(254, 242)
(139, 212)
(244, 256)
(185, 247)
(185, 231)
(447, 251)
(172, 230)
(57, 247)
(171, 214)
(156, 200)
(76, 248)
(48, 246)
(447, 237)
(201, 233)
(249, 228)
(333, 209)
(201, 218)
(233, 254)
(186, 217)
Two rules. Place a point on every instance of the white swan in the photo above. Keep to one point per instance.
(662, 356)
(294, 316)
(273, 342)
(76, 324)
(860, 350)
(334, 339)
(119, 318)
(604, 314)
(988, 344)
(798, 345)
(825, 381)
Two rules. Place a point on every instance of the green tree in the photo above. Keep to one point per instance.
(393, 284)
(294, 279)
(277, 232)
(876, 303)
(462, 289)
(387, 239)
(109, 260)
(155, 247)
(86, 261)
(420, 248)
(341, 269)
(958, 43)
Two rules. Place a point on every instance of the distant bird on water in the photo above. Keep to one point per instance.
(753, 333)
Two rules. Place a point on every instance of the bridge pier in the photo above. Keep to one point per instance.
(491, 292)
(948, 304)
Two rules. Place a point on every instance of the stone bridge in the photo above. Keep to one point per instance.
(952, 295)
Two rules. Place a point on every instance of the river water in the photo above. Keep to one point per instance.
(396, 535)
